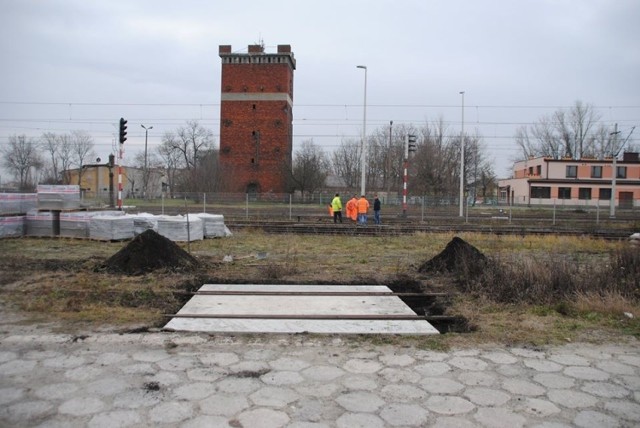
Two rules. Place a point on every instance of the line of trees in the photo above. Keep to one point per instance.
(434, 168)
(575, 133)
(188, 158)
(45, 160)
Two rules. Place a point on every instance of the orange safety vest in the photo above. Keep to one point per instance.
(363, 205)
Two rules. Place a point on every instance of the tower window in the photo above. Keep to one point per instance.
(254, 106)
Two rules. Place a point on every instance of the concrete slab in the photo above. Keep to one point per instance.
(296, 305)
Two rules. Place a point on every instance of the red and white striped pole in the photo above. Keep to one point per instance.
(405, 175)
(120, 151)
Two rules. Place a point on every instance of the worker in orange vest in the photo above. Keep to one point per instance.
(352, 208)
(363, 207)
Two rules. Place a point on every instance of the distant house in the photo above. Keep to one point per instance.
(100, 181)
(547, 181)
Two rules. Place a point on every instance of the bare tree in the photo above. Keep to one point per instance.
(172, 159)
(436, 163)
(310, 168)
(22, 158)
(49, 143)
(574, 133)
(65, 153)
(82, 150)
(191, 141)
(345, 162)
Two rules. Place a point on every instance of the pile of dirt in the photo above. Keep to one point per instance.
(458, 256)
(148, 252)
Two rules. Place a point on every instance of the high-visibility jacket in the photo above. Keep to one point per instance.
(363, 205)
(336, 204)
(352, 209)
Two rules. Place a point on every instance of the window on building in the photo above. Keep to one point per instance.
(530, 170)
(604, 194)
(539, 170)
(564, 192)
(540, 192)
(621, 172)
(572, 171)
(596, 172)
(584, 193)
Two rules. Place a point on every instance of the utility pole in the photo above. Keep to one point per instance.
(614, 173)
(462, 160)
(145, 180)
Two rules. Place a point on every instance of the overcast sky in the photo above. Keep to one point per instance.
(81, 64)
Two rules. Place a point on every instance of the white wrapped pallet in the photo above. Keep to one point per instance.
(40, 223)
(177, 228)
(111, 227)
(17, 203)
(213, 225)
(75, 224)
(12, 227)
(144, 221)
(54, 197)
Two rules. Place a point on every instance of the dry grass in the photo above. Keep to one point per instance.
(539, 290)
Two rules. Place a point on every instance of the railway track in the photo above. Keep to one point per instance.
(396, 229)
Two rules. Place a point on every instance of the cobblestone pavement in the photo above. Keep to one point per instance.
(177, 380)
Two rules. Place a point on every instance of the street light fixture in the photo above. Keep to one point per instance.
(363, 160)
(146, 172)
(462, 160)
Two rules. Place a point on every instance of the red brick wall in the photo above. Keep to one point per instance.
(256, 134)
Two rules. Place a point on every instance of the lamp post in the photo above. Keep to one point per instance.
(363, 160)
(146, 173)
(462, 160)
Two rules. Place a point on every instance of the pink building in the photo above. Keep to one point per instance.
(547, 181)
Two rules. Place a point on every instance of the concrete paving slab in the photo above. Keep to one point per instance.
(294, 306)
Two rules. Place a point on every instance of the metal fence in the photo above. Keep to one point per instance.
(418, 209)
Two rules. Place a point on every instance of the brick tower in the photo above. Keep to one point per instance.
(256, 119)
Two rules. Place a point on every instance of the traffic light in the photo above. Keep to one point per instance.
(412, 143)
(123, 130)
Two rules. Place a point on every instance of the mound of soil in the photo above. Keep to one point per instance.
(150, 251)
(458, 256)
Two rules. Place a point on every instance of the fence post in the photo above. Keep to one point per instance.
(290, 202)
(466, 216)
(246, 209)
(598, 212)
(554, 212)
(204, 202)
(162, 203)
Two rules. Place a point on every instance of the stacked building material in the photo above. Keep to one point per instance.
(75, 224)
(17, 203)
(12, 227)
(57, 198)
(111, 227)
(41, 223)
(144, 221)
(213, 225)
(181, 228)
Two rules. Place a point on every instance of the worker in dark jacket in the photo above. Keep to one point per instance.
(376, 210)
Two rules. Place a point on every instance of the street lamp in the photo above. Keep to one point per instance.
(363, 160)
(146, 173)
(462, 160)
